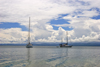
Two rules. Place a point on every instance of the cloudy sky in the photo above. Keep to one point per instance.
(50, 19)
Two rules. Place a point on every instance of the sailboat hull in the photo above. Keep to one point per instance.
(29, 46)
(67, 46)
(64, 45)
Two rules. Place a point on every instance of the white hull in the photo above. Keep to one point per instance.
(29, 46)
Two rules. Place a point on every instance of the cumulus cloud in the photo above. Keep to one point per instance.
(80, 13)
(13, 35)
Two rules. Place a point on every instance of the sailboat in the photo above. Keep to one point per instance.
(29, 45)
(66, 44)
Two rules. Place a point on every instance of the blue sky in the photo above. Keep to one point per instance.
(59, 20)
(96, 17)
(8, 25)
(50, 19)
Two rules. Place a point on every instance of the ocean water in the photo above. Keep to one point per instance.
(77, 56)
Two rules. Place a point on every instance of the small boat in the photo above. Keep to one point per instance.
(65, 44)
(29, 45)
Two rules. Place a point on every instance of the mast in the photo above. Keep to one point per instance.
(67, 37)
(61, 40)
(29, 45)
(29, 32)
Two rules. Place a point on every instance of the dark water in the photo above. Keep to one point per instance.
(19, 56)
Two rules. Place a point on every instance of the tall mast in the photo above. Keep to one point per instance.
(29, 31)
(61, 40)
(67, 37)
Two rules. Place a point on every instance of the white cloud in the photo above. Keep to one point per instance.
(17, 11)
(13, 35)
(89, 13)
(41, 12)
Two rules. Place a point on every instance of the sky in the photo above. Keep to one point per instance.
(50, 19)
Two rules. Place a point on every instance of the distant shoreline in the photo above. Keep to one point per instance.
(55, 44)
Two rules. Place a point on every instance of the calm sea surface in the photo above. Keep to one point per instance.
(77, 56)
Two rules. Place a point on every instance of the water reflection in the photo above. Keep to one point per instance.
(47, 57)
(63, 56)
(28, 57)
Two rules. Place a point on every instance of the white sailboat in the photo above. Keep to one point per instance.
(66, 44)
(29, 45)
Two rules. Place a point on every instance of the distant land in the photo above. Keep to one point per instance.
(55, 44)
